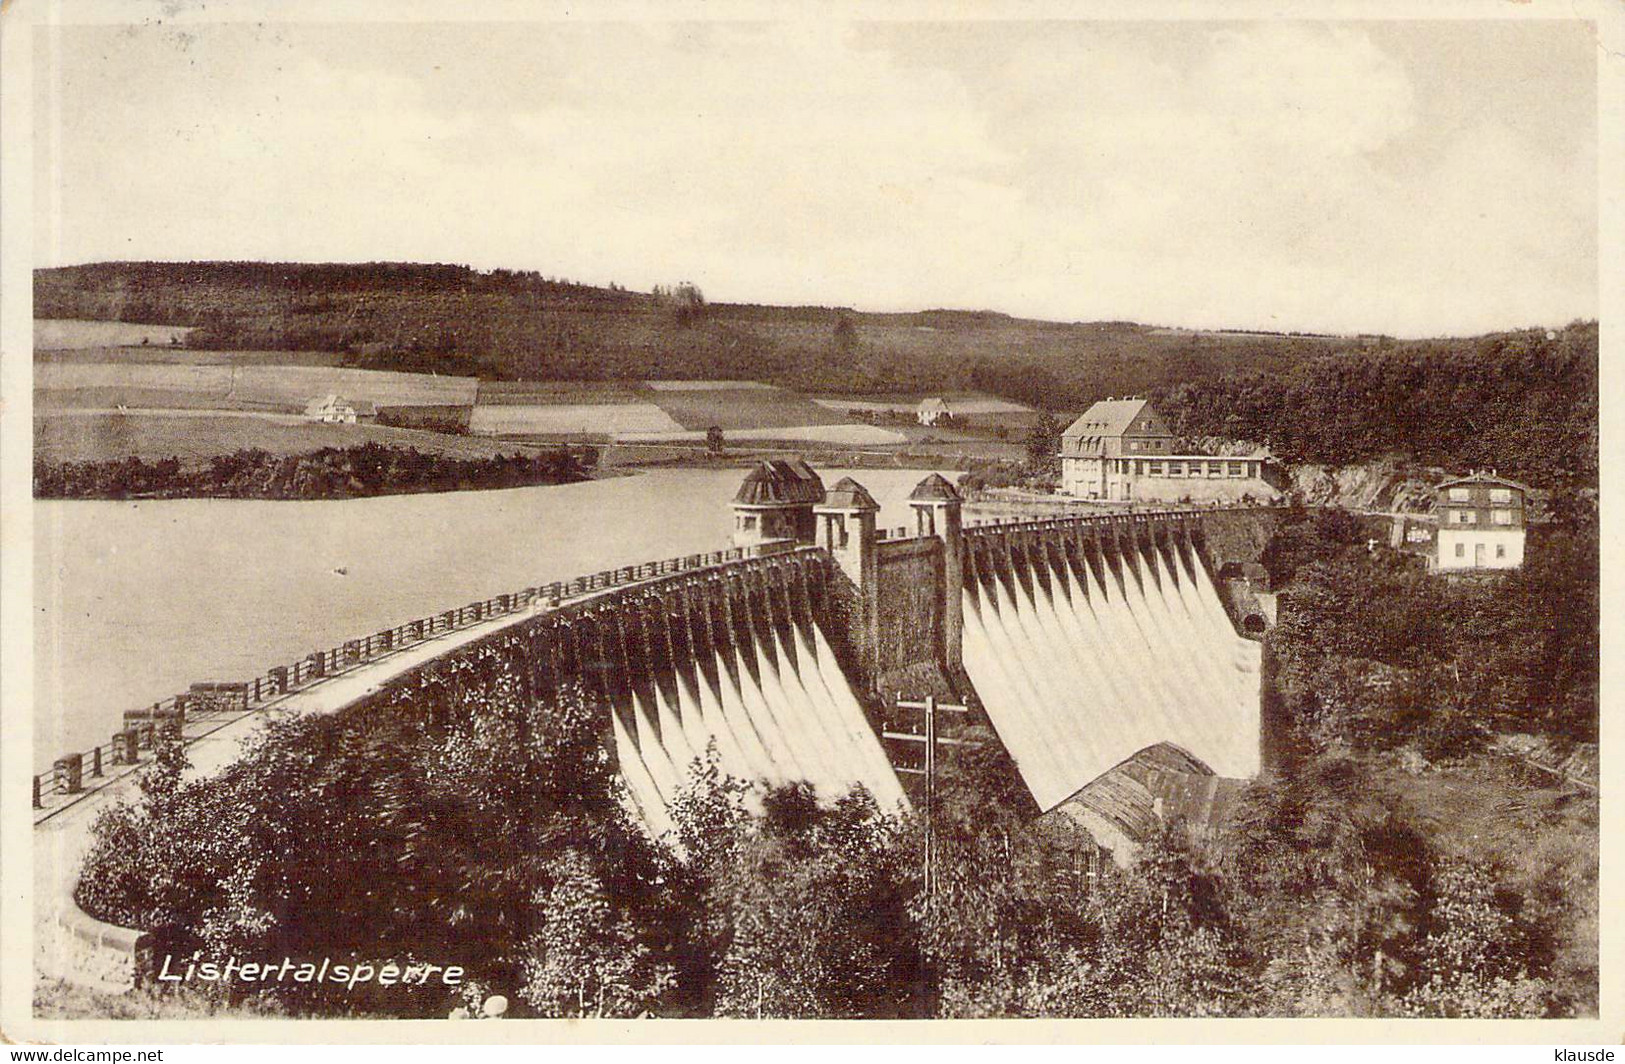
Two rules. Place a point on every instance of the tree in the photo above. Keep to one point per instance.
(801, 911)
(429, 825)
(1044, 445)
(1476, 957)
(845, 336)
(587, 958)
(1328, 879)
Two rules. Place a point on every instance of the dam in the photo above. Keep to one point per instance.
(1103, 652)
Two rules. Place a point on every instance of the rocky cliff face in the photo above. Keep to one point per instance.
(1384, 486)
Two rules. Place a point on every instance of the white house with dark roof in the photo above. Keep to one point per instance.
(1121, 450)
(1482, 522)
(933, 410)
(337, 410)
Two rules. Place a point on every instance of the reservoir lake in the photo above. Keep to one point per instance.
(134, 601)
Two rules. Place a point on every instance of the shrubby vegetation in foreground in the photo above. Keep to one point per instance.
(330, 473)
(1386, 866)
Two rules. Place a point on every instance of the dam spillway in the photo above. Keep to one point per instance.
(741, 663)
(1097, 648)
(1085, 651)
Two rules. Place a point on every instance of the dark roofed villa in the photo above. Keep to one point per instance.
(1122, 450)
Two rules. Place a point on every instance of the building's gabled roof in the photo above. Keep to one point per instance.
(934, 488)
(1109, 417)
(1159, 785)
(848, 494)
(1486, 478)
(780, 482)
(326, 402)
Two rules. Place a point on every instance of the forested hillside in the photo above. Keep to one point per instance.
(520, 325)
(1523, 402)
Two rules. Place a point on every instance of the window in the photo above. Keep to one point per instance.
(1466, 517)
(1502, 517)
(1215, 469)
(1458, 494)
(1501, 495)
(1461, 550)
(1500, 550)
(747, 522)
(1156, 469)
(1237, 469)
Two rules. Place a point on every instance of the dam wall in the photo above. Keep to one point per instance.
(1237, 537)
(1082, 641)
(738, 659)
(742, 651)
(1089, 640)
(910, 603)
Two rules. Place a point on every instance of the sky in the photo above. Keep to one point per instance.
(1410, 178)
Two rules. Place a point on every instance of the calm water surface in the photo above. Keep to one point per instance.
(136, 600)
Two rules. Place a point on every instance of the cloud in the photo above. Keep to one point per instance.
(1271, 174)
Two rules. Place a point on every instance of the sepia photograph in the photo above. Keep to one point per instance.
(803, 515)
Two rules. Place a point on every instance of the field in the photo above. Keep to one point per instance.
(108, 399)
(852, 435)
(285, 388)
(59, 334)
(570, 419)
(704, 386)
(959, 406)
(194, 439)
(187, 356)
(667, 411)
(743, 408)
(540, 393)
(102, 401)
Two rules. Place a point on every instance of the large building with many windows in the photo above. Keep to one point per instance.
(1481, 522)
(1121, 450)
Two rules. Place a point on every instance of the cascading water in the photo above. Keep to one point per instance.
(1081, 661)
(759, 680)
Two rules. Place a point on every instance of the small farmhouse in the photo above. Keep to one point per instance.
(1121, 450)
(337, 410)
(933, 411)
(1481, 522)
